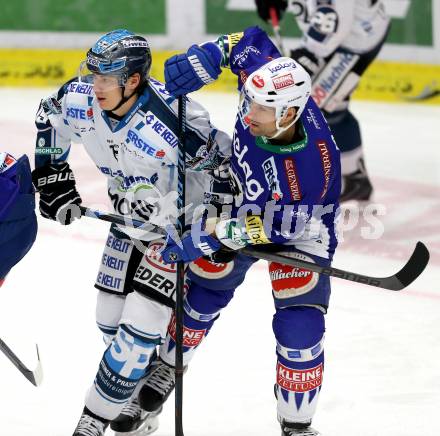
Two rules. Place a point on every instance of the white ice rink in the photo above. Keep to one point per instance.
(382, 374)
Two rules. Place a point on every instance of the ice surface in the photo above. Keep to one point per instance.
(382, 348)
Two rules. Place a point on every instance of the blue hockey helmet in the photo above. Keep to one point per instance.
(119, 53)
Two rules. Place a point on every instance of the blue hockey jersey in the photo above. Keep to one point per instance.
(291, 190)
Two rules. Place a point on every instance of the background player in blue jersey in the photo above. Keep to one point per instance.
(285, 176)
(18, 223)
(339, 41)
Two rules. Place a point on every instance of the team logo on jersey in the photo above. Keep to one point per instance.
(311, 118)
(211, 270)
(299, 380)
(292, 179)
(326, 164)
(258, 81)
(51, 106)
(191, 337)
(290, 281)
(283, 81)
(271, 174)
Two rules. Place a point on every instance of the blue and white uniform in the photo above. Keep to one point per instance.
(340, 40)
(138, 156)
(291, 195)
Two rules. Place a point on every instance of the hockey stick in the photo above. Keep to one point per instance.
(35, 376)
(180, 266)
(403, 278)
(276, 29)
(429, 91)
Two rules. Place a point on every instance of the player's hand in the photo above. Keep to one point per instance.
(59, 199)
(263, 7)
(232, 234)
(190, 71)
(308, 60)
(191, 246)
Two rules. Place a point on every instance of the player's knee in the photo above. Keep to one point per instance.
(345, 129)
(108, 313)
(298, 327)
(205, 304)
(130, 353)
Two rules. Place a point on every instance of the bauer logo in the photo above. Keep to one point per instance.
(283, 81)
(295, 380)
(288, 281)
(191, 337)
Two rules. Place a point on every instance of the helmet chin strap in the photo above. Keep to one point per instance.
(124, 98)
(282, 129)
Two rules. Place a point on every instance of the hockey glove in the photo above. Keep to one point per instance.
(238, 233)
(192, 246)
(308, 60)
(188, 72)
(59, 199)
(263, 7)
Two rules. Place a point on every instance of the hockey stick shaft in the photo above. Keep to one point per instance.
(276, 29)
(180, 266)
(35, 376)
(403, 278)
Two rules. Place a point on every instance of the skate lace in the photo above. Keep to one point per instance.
(89, 426)
(161, 379)
(132, 409)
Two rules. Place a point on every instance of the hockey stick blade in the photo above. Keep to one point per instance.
(413, 268)
(35, 376)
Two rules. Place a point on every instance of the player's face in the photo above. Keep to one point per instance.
(261, 120)
(107, 90)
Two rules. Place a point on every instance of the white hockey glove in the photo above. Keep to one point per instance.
(238, 233)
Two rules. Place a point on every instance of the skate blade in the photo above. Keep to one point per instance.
(146, 428)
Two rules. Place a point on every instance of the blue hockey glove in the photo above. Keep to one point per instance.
(190, 248)
(188, 72)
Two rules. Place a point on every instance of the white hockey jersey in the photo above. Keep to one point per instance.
(357, 25)
(138, 154)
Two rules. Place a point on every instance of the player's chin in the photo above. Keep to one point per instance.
(104, 103)
(255, 130)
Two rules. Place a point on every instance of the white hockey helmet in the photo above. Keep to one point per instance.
(281, 83)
